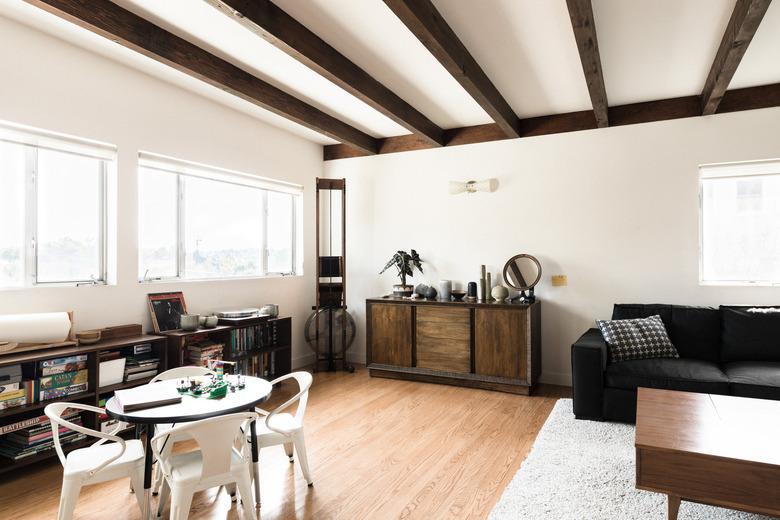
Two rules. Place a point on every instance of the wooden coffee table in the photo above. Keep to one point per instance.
(713, 449)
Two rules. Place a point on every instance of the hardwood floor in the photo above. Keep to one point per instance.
(378, 448)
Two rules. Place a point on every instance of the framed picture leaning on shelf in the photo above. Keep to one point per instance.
(166, 310)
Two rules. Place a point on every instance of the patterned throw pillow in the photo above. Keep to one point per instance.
(637, 339)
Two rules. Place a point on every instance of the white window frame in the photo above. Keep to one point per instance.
(32, 140)
(732, 170)
(183, 169)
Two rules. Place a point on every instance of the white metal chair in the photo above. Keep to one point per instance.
(217, 462)
(173, 373)
(287, 429)
(97, 463)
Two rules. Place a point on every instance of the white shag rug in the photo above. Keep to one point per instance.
(584, 470)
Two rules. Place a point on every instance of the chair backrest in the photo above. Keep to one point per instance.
(54, 412)
(181, 372)
(304, 380)
(216, 438)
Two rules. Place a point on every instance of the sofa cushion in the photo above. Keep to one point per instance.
(641, 338)
(749, 335)
(694, 331)
(759, 379)
(629, 311)
(689, 375)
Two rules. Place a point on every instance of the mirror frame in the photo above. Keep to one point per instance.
(514, 259)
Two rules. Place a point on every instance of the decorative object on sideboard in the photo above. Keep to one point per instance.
(489, 288)
(471, 295)
(445, 290)
(482, 284)
(190, 322)
(499, 293)
(166, 310)
(25, 332)
(421, 289)
(487, 185)
(89, 337)
(208, 321)
(269, 309)
(431, 293)
(522, 272)
(239, 313)
(405, 263)
(458, 295)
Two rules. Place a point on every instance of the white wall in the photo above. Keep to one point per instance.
(615, 209)
(53, 85)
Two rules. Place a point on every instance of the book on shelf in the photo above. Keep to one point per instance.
(40, 421)
(137, 376)
(63, 379)
(50, 367)
(201, 352)
(30, 439)
(7, 388)
(146, 396)
(65, 391)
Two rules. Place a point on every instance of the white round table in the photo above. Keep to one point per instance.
(192, 408)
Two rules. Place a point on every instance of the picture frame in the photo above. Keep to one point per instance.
(166, 309)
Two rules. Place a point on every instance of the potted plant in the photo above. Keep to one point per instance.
(405, 264)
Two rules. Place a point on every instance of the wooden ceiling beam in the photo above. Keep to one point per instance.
(735, 100)
(742, 26)
(427, 24)
(130, 30)
(584, 26)
(282, 31)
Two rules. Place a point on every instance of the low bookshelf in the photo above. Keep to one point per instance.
(259, 346)
(23, 418)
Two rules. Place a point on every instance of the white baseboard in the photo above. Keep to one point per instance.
(303, 361)
(556, 378)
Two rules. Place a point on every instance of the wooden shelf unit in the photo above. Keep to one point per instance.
(282, 347)
(91, 396)
(495, 346)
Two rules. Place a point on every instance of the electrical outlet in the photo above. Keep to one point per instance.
(560, 280)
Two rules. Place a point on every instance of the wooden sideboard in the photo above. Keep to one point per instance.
(495, 346)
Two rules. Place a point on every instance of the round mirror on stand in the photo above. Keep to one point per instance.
(522, 272)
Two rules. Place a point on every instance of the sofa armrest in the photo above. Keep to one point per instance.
(588, 362)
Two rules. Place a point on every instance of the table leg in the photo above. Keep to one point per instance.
(674, 507)
(255, 463)
(146, 513)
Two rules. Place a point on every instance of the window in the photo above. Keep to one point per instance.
(52, 208)
(740, 223)
(200, 222)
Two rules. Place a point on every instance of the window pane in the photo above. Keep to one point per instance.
(69, 217)
(223, 229)
(280, 232)
(741, 229)
(12, 159)
(157, 224)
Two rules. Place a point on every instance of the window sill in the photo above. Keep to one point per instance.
(55, 285)
(710, 283)
(226, 279)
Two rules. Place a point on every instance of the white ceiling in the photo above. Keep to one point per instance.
(651, 49)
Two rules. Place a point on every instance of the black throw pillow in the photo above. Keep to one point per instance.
(642, 338)
(750, 333)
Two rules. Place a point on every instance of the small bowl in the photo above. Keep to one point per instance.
(88, 337)
(458, 295)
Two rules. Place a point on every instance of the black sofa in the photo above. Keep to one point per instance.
(728, 350)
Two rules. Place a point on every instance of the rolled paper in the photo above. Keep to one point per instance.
(44, 327)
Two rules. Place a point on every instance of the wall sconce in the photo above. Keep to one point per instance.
(489, 185)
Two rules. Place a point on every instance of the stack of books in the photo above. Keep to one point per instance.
(140, 367)
(33, 436)
(201, 352)
(11, 395)
(55, 378)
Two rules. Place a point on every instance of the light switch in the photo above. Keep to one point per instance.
(559, 280)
